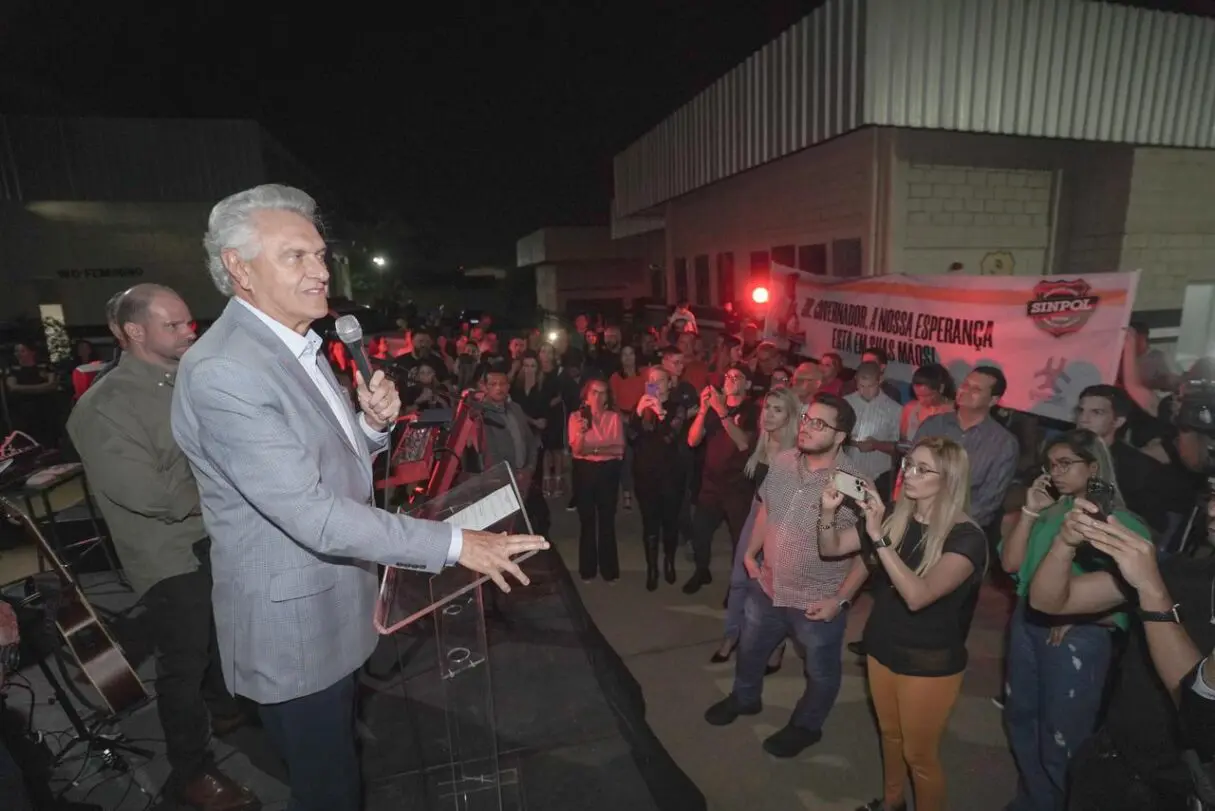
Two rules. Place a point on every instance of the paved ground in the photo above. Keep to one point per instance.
(666, 639)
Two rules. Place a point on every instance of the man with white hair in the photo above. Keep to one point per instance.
(283, 464)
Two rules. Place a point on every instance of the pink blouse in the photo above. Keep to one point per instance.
(601, 442)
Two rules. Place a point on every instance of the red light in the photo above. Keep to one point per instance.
(760, 295)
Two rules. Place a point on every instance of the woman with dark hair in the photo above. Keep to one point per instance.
(933, 392)
(534, 391)
(931, 557)
(628, 385)
(1056, 666)
(597, 445)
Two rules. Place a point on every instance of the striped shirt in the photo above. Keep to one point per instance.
(793, 573)
(875, 419)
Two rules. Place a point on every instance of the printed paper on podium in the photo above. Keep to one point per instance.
(489, 501)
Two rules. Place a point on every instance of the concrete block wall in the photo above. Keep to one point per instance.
(992, 220)
(1170, 223)
(814, 196)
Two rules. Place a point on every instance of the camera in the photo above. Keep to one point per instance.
(1196, 407)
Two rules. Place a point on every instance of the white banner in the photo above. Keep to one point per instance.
(1051, 336)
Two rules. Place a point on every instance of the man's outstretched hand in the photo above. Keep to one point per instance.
(490, 553)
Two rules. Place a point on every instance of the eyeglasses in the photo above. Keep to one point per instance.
(817, 424)
(1061, 466)
(915, 469)
(735, 376)
(779, 379)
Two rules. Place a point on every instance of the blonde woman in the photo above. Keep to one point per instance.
(932, 557)
(778, 422)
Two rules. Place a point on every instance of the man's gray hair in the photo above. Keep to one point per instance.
(230, 226)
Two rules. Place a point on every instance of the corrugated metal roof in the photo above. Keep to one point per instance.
(127, 160)
(1054, 68)
(1048, 68)
(802, 88)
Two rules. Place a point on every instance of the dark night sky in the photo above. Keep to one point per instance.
(480, 121)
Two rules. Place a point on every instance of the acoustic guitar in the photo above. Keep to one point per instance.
(95, 651)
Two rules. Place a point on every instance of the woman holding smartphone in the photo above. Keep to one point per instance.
(597, 445)
(655, 439)
(1056, 666)
(931, 559)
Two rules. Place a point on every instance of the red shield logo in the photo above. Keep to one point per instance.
(1063, 307)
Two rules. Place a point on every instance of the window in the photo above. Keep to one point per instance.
(704, 292)
(658, 283)
(681, 280)
(846, 258)
(784, 255)
(725, 278)
(760, 264)
(813, 259)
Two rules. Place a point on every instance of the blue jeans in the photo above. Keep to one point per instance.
(1051, 701)
(736, 597)
(764, 627)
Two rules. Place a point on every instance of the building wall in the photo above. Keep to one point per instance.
(1096, 190)
(982, 201)
(992, 221)
(1170, 223)
(813, 197)
(68, 254)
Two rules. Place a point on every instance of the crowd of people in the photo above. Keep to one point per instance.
(696, 432)
(831, 483)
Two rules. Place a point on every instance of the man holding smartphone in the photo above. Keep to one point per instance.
(725, 426)
(794, 590)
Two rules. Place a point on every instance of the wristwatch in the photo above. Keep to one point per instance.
(1172, 615)
(882, 542)
(845, 604)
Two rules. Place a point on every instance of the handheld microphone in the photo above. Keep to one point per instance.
(351, 334)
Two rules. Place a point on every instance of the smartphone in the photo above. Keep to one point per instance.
(651, 389)
(1051, 490)
(851, 486)
(1101, 493)
(585, 411)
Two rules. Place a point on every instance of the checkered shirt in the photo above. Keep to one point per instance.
(793, 573)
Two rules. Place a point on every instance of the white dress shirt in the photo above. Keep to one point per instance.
(306, 349)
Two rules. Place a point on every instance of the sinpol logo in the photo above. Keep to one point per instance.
(1062, 307)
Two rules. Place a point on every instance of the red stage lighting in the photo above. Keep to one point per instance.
(760, 295)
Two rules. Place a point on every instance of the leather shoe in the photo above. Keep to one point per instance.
(215, 791)
(700, 577)
(222, 725)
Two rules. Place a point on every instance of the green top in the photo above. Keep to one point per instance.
(1042, 535)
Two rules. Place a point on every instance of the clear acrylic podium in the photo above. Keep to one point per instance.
(475, 780)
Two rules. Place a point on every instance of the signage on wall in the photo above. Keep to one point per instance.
(100, 273)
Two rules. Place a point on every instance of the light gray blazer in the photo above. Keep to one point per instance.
(287, 502)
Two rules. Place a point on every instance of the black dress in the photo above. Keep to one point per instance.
(535, 404)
